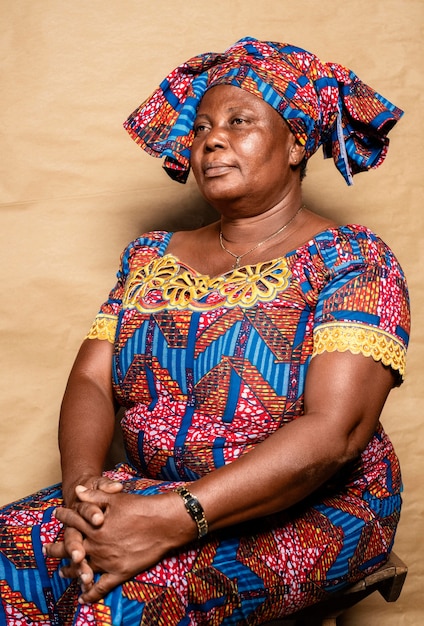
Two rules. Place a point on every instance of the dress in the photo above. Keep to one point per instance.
(206, 368)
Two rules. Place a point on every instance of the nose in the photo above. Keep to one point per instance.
(216, 139)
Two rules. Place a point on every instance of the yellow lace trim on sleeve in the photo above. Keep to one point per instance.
(359, 339)
(103, 327)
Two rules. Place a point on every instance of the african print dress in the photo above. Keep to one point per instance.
(206, 368)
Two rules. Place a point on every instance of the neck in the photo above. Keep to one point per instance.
(247, 227)
(238, 256)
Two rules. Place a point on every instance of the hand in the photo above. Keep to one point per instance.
(134, 534)
(89, 482)
(89, 511)
(72, 547)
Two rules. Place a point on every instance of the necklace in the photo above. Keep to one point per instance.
(238, 257)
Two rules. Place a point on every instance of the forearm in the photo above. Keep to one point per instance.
(344, 397)
(85, 432)
(278, 473)
(86, 427)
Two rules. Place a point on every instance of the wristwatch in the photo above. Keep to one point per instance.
(194, 509)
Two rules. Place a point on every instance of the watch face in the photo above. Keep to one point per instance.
(195, 507)
(195, 510)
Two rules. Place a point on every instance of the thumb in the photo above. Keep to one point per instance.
(94, 496)
(109, 486)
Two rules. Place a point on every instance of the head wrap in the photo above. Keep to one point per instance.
(323, 104)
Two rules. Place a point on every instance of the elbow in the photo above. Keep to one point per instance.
(351, 447)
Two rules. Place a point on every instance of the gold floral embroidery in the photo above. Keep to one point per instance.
(103, 327)
(359, 339)
(260, 282)
(150, 277)
(184, 288)
(164, 283)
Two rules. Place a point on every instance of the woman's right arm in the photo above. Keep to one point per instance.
(87, 418)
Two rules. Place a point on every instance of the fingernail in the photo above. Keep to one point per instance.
(82, 601)
(97, 519)
(75, 556)
(81, 488)
(61, 574)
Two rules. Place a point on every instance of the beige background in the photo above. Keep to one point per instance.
(75, 189)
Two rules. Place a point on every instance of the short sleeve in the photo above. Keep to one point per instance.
(137, 254)
(363, 306)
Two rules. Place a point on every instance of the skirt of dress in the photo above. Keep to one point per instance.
(247, 574)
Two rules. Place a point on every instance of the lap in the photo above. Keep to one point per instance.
(265, 568)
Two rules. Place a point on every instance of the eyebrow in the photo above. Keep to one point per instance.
(234, 109)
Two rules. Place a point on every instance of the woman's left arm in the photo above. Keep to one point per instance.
(344, 396)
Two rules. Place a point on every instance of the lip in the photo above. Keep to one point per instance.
(216, 168)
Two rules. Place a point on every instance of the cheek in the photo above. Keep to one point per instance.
(253, 153)
(262, 158)
(195, 160)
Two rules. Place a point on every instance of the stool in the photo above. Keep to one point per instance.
(388, 580)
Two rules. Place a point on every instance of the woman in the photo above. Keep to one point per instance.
(252, 357)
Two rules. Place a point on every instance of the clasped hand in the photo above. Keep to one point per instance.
(115, 534)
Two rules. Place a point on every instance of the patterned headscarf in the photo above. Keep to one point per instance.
(323, 104)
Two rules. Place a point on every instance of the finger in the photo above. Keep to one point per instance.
(82, 572)
(85, 587)
(92, 513)
(109, 486)
(95, 496)
(94, 502)
(55, 550)
(71, 547)
(74, 545)
(69, 571)
(71, 518)
(101, 588)
(86, 576)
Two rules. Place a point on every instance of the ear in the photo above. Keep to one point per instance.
(297, 152)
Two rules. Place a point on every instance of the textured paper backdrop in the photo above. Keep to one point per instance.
(75, 189)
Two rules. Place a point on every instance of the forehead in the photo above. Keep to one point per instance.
(230, 97)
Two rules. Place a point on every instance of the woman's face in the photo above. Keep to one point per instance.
(243, 151)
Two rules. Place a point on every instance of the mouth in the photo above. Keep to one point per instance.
(216, 168)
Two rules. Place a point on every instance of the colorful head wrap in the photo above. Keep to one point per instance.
(323, 104)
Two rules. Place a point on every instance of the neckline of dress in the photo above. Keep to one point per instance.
(291, 253)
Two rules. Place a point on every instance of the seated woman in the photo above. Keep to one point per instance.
(252, 358)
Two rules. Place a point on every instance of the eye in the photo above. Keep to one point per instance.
(199, 128)
(238, 121)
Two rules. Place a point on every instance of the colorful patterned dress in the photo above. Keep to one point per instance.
(206, 368)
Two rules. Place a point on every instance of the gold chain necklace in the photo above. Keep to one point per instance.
(238, 257)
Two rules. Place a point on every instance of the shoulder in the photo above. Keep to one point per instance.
(352, 244)
(144, 248)
(341, 255)
(153, 239)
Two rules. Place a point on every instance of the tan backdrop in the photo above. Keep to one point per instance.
(75, 189)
